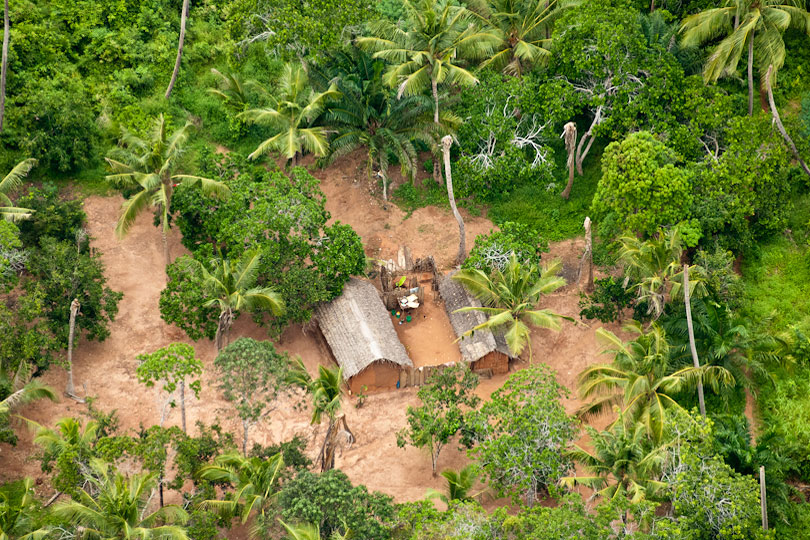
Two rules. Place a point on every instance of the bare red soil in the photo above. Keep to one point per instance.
(134, 265)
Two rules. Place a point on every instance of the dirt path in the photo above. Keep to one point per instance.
(135, 266)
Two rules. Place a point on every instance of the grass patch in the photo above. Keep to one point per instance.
(544, 210)
(777, 285)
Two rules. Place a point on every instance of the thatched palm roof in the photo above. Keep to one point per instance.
(359, 330)
(482, 342)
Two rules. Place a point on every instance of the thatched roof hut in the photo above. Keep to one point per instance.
(483, 350)
(362, 338)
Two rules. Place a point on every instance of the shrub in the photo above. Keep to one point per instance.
(641, 189)
(609, 299)
(492, 251)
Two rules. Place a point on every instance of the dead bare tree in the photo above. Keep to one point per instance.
(183, 18)
(447, 142)
(778, 122)
(569, 135)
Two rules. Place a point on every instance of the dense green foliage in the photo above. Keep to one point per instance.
(670, 165)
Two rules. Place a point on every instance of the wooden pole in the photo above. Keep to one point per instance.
(692, 347)
(762, 498)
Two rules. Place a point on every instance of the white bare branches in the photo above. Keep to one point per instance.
(533, 137)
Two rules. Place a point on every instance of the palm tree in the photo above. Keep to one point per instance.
(641, 379)
(291, 114)
(183, 17)
(23, 389)
(115, 506)
(523, 28)
(447, 142)
(745, 24)
(8, 185)
(326, 390)
(255, 481)
(429, 49)
(233, 288)
(68, 436)
(307, 531)
(654, 268)
(459, 484)
(17, 512)
(510, 297)
(722, 338)
(146, 166)
(623, 464)
(231, 90)
(365, 116)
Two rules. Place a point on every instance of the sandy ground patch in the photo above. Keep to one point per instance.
(134, 265)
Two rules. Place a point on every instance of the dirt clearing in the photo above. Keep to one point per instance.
(134, 265)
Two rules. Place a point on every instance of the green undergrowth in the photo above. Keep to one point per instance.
(536, 205)
(777, 285)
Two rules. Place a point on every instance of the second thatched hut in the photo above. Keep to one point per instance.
(483, 350)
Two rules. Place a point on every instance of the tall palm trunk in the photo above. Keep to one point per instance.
(751, 74)
(245, 427)
(569, 135)
(434, 87)
(4, 67)
(70, 390)
(176, 71)
(183, 405)
(447, 141)
(224, 328)
(778, 121)
(695, 361)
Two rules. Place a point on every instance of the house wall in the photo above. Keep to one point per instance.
(496, 361)
(378, 377)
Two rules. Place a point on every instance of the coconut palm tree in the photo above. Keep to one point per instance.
(365, 116)
(17, 512)
(326, 390)
(510, 296)
(69, 435)
(623, 463)
(114, 507)
(523, 28)
(180, 42)
(232, 287)
(146, 166)
(654, 267)
(641, 379)
(9, 185)
(724, 339)
(752, 26)
(291, 114)
(232, 90)
(255, 481)
(23, 390)
(459, 484)
(429, 49)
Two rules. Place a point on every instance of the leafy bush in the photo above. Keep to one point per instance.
(330, 501)
(492, 251)
(54, 216)
(641, 188)
(608, 300)
(59, 124)
(522, 434)
(182, 301)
